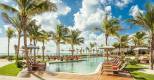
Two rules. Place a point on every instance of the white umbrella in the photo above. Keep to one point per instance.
(140, 48)
(107, 47)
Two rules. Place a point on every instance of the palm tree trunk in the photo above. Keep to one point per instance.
(81, 51)
(30, 44)
(43, 49)
(24, 24)
(58, 48)
(152, 52)
(8, 49)
(34, 41)
(106, 39)
(120, 47)
(91, 51)
(26, 50)
(72, 49)
(17, 52)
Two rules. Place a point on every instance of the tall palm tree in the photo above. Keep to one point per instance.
(146, 20)
(44, 37)
(10, 34)
(26, 10)
(58, 36)
(34, 32)
(110, 27)
(92, 45)
(87, 50)
(138, 38)
(122, 42)
(15, 21)
(74, 38)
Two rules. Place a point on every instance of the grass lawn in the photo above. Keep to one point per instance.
(139, 75)
(9, 70)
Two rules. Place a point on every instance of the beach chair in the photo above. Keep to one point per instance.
(114, 66)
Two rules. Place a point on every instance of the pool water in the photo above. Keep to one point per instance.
(89, 65)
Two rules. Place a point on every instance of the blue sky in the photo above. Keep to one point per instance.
(116, 11)
(75, 6)
(84, 15)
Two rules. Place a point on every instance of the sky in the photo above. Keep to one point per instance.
(85, 15)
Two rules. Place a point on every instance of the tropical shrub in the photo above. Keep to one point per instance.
(133, 61)
(20, 64)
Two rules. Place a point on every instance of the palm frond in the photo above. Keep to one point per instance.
(7, 8)
(42, 6)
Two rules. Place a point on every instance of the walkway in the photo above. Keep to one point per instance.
(46, 76)
(120, 76)
(64, 76)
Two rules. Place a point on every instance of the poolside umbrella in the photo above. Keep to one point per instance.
(107, 48)
(32, 47)
(140, 48)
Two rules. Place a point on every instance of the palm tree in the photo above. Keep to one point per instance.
(146, 20)
(122, 42)
(44, 37)
(87, 50)
(15, 21)
(34, 32)
(92, 45)
(74, 38)
(110, 27)
(138, 38)
(26, 10)
(9, 33)
(58, 36)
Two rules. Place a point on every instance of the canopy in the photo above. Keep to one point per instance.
(140, 48)
(32, 47)
(107, 47)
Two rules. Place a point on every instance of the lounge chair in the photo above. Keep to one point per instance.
(114, 66)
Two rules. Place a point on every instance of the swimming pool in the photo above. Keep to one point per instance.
(89, 65)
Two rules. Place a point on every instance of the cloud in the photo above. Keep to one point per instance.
(89, 18)
(91, 37)
(8, 26)
(49, 20)
(134, 11)
(106, 2)
(90, 15)
(122, 3)
(1, 30)
(119, 3)
(4, 1)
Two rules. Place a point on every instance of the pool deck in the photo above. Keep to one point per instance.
(65, 76)
(52, 76)
(125, 76)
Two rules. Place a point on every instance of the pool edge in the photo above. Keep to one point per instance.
(98, 70)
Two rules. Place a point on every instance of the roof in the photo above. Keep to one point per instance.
(107, 47)
(32, 47)
(140, 48)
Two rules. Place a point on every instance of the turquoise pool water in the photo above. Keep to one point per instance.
(82, 67)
